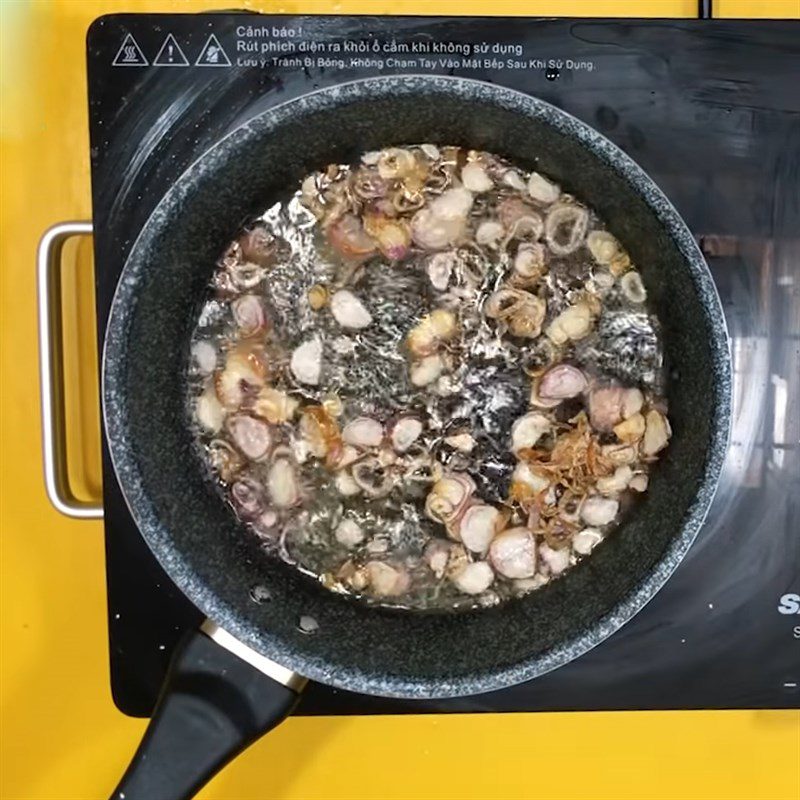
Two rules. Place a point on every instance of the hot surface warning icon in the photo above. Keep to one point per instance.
(212, 54)
(170, 54)
(129, 54)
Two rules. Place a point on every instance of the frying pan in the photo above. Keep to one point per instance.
(240, 675)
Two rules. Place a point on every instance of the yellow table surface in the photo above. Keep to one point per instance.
(61, 735)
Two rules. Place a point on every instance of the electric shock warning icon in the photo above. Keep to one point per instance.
(170, 54)
(212, 54)
(129, 54)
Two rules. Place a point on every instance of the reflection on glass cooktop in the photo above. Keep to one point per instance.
(710, 109)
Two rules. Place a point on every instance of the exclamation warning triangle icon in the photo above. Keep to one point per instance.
(170, 54)
(212, 54)
(129, 54)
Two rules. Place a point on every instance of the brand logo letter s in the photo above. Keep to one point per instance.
(789, 604)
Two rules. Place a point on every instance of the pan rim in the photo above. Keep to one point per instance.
(350, 678)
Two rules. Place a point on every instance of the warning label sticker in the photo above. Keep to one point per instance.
(213, 54)
(170, 54)
(130, 54)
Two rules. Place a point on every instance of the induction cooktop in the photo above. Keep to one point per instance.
(709, 108)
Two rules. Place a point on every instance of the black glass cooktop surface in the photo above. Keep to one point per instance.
(710, 109)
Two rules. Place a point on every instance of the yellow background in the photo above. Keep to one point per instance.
(61, 735)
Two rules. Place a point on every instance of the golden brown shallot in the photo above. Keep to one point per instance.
(433, 329)
(317, 297)
(245, 367)
(354, 577)
(632, 402)
(657, 433)
(603, 247)
(631, 429)
(275, 405)
(573, 323)
(608, 252)
(527, 318)
(321, 433)
(332, 403)
(558, 532)
(619, 454)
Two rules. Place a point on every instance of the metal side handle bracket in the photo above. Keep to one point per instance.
(51, 370)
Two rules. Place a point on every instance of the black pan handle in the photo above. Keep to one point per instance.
(213, 705)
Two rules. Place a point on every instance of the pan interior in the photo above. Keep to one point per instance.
(197, 538)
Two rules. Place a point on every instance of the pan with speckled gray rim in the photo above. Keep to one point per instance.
(196, 537)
